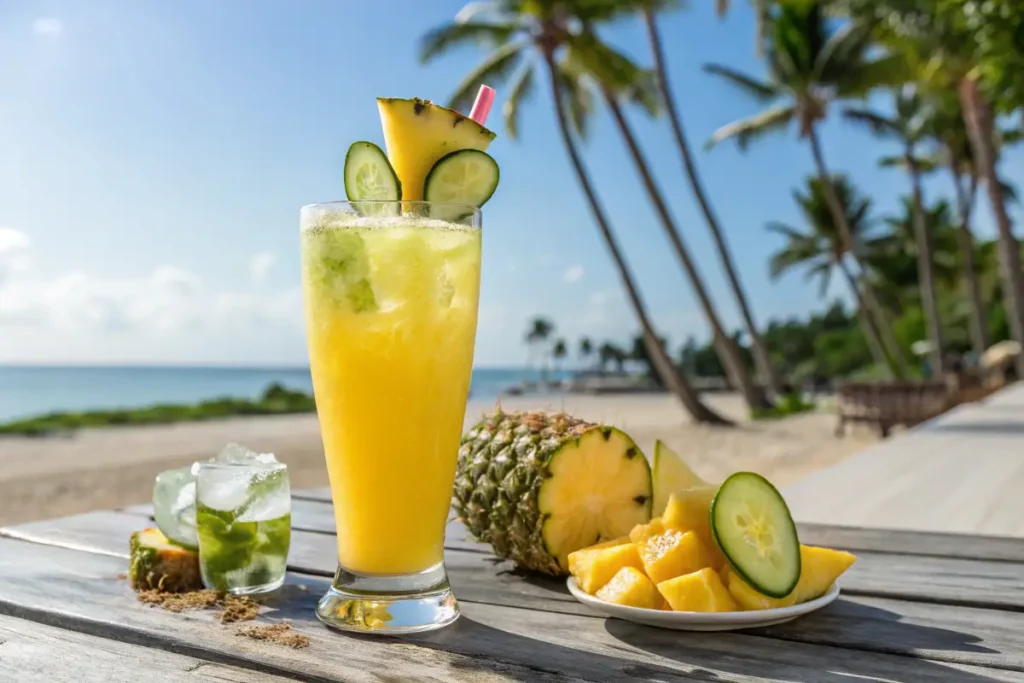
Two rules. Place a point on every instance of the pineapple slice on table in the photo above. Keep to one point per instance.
(418, 133)
(699, 591)
(631, 588)
(538, 486)
(156, 563)
(593, 568)
(748, 597)
(690, 510)
(673, 553)
(819, 569)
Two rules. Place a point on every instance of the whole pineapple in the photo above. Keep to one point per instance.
(538, 486)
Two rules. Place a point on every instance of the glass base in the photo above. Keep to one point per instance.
(257, 590)
(389, 605)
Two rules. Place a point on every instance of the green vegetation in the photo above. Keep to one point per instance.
(954, 74)
(276, 400)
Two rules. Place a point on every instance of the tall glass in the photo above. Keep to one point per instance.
(391, 293)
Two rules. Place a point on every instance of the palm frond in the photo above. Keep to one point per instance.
(758, 90)
(440, 40)
(878, 124)
(494, 70)
(520, 92)
(577, 97)
(611, 69)
(893, 161)
(889, 71)
(772, 120)
(841, 53)
(1009, 191)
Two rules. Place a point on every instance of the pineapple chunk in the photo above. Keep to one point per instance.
(631, 588)
(622, 540)
(748, 597)
(691, 511)
(699, 591)
(592, 569)
(641, 532)
(673, 553)
(418, 133)
(820, 567)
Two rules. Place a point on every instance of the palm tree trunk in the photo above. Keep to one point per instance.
(897, 362)
(870, 332)
(761, 357)
(727, 352)
(926, 269)
(964, 203)
(978, 116)
(676, 383)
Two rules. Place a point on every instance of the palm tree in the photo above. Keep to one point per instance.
(537, 334)
(559, 351)
(949, 132)
(962, 47)
(908, 125)
(821, 248)
(810, 65)
(586, 349)
(611, 353)
(531, 35)
(893, 255)
(616, 76)
(761, 357)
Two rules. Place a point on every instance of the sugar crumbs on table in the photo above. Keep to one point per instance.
(180, 602)
(275, 633)
(238, 609)
(234, 608)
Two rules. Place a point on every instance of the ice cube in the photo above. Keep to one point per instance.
(236, 454)
(174, 499)
(221, 486)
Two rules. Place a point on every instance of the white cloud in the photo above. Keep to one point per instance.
(574, 273)
(49, 27)
(260, 264)
(14, 252)
(169, 300)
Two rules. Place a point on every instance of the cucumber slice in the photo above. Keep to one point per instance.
(466, 176)
(752, 525)
(369, 175)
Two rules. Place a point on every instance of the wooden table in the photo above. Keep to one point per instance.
(916, 608)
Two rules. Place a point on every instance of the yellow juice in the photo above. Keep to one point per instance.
(391, 311)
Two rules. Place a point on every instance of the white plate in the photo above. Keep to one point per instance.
(702, 621)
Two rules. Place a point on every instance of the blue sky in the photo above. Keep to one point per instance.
(153, 157)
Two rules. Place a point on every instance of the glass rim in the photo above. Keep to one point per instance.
(390, 202)
(259, 467)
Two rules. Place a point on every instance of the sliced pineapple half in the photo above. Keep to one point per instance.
(418, 133)
(538, 486)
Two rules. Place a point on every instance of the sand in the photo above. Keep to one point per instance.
(109, 468)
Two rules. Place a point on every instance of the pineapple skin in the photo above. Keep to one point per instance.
(503, 463)
(156, 563)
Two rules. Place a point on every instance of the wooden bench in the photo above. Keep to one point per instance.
(887, 404)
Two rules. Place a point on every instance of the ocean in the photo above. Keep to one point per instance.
(32, 390)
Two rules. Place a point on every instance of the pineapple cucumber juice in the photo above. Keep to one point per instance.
(391, 312)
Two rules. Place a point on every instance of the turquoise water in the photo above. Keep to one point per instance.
(31, 390)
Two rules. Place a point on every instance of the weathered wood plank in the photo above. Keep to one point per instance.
(971, 583)
(36, 653)
(928, 544)
(79, 591)
(963, 634)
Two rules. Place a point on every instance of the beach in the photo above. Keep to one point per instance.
(114, 467)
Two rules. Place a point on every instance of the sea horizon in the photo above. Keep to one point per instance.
(31, 389)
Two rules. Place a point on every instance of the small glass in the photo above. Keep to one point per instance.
(243, 522)
(391, 292)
